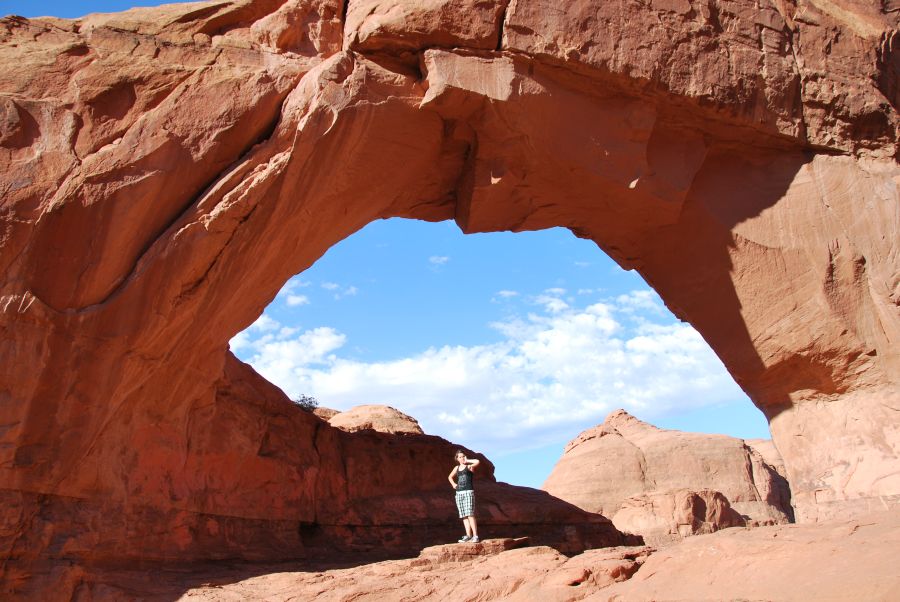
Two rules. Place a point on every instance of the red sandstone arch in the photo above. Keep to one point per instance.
(166, 171)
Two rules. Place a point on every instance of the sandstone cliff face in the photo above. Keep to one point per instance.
(266, 480)
(625, 463)
(165, 171)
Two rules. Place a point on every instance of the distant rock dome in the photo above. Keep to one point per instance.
(383, 419)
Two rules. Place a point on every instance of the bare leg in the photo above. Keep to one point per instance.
(468, 528)
(472, 526)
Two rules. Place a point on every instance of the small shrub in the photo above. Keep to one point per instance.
(307, 402)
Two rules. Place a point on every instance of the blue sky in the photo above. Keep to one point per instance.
(510, 344)
(69, 9)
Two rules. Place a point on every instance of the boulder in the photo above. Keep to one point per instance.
(455, 552)
(663, 517)
(325, 413)
(383, 419)
(625, 457)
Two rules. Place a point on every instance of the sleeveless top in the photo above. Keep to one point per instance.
(464, 479)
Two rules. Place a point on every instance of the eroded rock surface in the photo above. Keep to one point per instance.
(165, 171)
(662, 517)
(627, 458)
(283, 484)
(325, 413)
(383, 419)
(837, 560)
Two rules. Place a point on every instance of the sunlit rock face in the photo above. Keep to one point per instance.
(625, 464)
(670, 516)
(383, 419)
(165, 171)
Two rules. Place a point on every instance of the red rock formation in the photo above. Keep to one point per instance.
(841, 560)
(460, 553)
(660, 518)
(282, 484)
(165, 171)
(769, 453)
(383, 419)
(626, 458)
(325, 413)
(845, 560)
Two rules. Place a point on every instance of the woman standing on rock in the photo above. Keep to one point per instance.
(465, 494)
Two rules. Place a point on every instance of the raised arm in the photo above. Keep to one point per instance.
(453, 474)
(473, 464)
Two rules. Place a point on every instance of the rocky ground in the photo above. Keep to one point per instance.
(838, 560)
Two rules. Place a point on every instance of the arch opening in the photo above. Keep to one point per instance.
(511, 344)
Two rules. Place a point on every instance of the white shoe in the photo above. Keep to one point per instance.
(464, 539)
(474, 540)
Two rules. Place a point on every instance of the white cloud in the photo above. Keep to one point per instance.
(264, 329)
(292, 285)
(552, 304)
(264, 324)
(339, 292)
(286, 331)
(438, 259)
(644, 300)
(295, 300)
(241, 341)
(287, 359)
(504, 295)
(554, 373)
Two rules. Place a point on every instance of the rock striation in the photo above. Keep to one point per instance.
(164, 171)
(297, 488)
(836, 560)
(628, 468)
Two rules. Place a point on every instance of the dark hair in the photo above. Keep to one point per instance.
(457, 452)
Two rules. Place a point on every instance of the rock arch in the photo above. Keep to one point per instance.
(750, 177)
